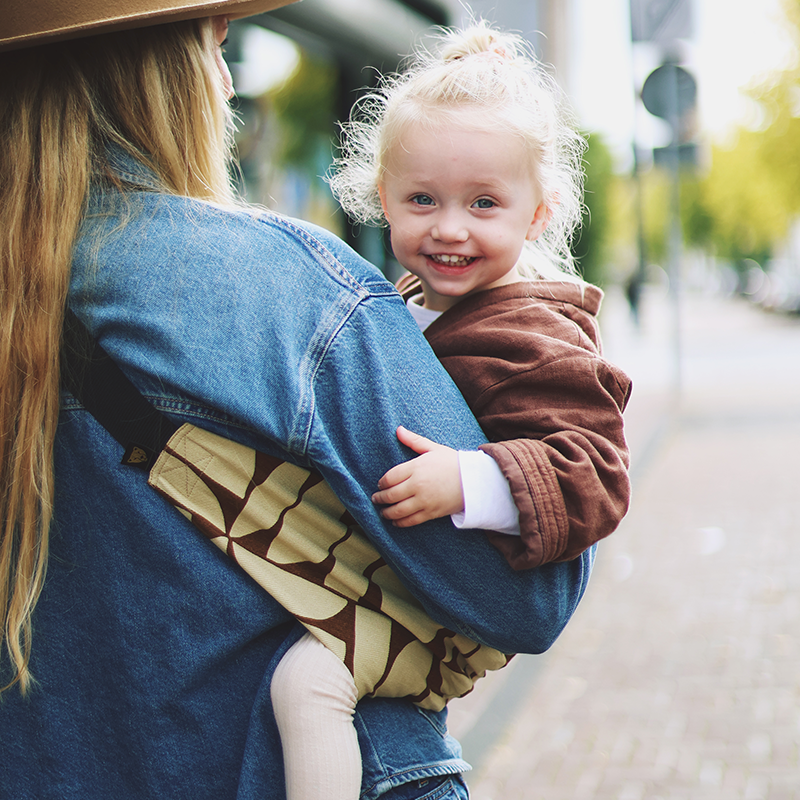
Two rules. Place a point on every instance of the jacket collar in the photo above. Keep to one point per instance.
(131, 170)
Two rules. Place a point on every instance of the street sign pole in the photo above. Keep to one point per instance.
(670, 93)
(675, 231)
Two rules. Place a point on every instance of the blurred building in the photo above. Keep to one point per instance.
(544, 23)
(299, 69)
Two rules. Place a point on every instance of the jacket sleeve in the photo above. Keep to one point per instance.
(567, 463)
(379, 374)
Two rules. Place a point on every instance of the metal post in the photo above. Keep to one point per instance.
(675, 242)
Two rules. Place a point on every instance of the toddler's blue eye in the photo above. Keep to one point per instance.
(484, 202)
(422, 200)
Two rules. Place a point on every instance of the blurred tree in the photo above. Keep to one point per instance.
(304, 104)
(738, 209)
(743, 206)
(591, 244)
(656, 186)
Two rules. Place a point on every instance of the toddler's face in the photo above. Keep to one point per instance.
(460, 201)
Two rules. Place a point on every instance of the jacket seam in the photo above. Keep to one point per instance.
(170, 405)
(584, 356)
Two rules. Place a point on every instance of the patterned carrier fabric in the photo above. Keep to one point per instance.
(285, 527)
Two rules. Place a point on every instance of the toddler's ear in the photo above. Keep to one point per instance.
(541, 219)
(382, 195)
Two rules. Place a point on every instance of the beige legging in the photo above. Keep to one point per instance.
(314, 698)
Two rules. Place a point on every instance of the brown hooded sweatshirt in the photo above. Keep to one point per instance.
(527, 358)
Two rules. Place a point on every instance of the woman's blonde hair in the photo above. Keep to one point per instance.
(157, 94)
(497, 76)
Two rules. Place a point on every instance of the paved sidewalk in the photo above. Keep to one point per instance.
(679, 676)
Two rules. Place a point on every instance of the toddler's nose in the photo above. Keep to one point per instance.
(450, 227)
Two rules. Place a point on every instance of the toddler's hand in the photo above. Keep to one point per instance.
(426, 487)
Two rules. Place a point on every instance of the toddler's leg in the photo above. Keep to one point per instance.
(314, 697)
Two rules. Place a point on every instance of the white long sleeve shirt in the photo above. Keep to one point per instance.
(488, 504)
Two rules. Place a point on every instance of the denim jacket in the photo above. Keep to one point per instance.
(152, 652)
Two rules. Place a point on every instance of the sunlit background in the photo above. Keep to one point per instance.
(298, 70)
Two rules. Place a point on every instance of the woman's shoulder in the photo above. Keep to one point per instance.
(261, 230)
(243, 246)
(209, 305)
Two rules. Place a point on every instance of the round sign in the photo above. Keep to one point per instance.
(665, 83)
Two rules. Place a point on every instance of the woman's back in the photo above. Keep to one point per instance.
(142, 669)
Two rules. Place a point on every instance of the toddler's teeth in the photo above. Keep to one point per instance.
(451, 259)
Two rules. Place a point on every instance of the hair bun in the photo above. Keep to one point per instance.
(478, 40)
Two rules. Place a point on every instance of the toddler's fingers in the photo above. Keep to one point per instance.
(392, 495)
(413, 519)
(401, 510)
(395, 476)
(419, 444)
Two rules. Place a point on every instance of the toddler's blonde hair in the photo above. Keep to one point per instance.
(499, 77)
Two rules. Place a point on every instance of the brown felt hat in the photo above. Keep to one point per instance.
(30, 22)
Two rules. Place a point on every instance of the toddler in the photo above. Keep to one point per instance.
(470, 159)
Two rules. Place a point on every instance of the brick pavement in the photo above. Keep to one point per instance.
(679, 676)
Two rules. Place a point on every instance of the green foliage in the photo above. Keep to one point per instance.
(696, 219)
(591, 245)
(744, 205)
(748, 208)
(304, 105)
(657, 191)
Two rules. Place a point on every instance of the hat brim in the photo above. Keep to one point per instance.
(28, 23)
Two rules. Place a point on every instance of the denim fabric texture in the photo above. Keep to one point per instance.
(449, 787)
(152, 652)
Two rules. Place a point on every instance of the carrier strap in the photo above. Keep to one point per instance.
(92, 376)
